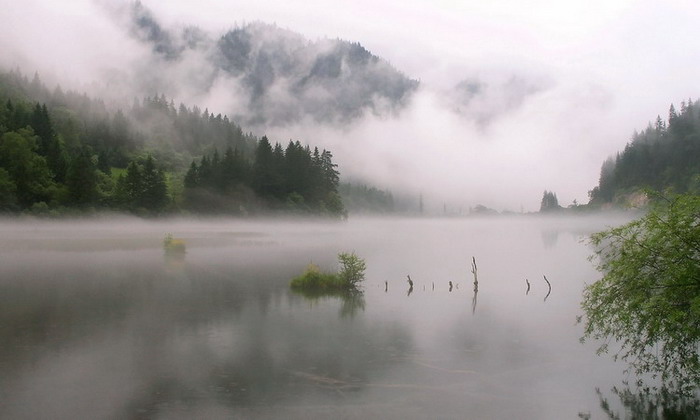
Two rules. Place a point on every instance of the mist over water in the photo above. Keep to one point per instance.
(97, 323)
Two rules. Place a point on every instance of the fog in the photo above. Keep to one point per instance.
(512, 98)
(97, 322)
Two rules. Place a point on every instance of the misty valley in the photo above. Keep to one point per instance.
(466, 211)
(98, 322)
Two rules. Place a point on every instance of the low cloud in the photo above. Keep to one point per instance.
(511, 100)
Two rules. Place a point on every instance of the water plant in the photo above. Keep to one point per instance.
(352, 272)
(173, 246)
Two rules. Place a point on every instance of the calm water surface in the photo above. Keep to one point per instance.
(95, 322)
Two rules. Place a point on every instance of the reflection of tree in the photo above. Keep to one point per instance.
(650, 404)
(352, 300)
(182, 336)
(550, 238)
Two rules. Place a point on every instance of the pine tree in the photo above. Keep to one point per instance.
(549, 202)
(132, 186)
(192, 176)
(81, 179)
(154, 193)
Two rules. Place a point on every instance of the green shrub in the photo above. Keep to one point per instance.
(172, 245)
(313, 278)
(351, 274)
(353, 269)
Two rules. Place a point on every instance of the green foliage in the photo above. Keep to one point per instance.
(352, 272)
(45, 137)
(8, 198)
(314, 279)
(81, 179)
(294, 180)
(28, 171)
(142, 188)
(663, 156)
(648, 299)
(173, 246)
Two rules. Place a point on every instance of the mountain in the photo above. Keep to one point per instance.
(665, 156)
(276, 76)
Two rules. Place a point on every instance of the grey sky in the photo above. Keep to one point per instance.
(607, 68)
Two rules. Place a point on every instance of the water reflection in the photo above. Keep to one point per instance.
(550, 237)
(175, 339)
(645, 403)
(122, 332)
(352, 301)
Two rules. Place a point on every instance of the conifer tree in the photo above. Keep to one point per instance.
(81, 179)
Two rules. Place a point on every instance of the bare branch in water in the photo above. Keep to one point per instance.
(550, 287)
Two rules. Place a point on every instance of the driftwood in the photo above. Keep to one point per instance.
(476, 285)
(410, 286)
(528, 287)
(550, 287)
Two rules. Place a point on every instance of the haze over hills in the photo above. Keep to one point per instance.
(269, 76)
(272, 76)
(462, 106)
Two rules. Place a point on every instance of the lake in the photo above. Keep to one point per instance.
(95, 322)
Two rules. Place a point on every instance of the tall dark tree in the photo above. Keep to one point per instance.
(549, 202)
(49, 144)
(192, 176)
(154, 192)
(81, 179)
(8, 191)
(263, 168)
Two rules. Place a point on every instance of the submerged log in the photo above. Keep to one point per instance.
(550, 287)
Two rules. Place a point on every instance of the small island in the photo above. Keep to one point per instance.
(347, 280)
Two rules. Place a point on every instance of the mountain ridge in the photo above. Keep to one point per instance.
(280, 77)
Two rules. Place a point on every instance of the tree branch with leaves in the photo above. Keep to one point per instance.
(648, 299)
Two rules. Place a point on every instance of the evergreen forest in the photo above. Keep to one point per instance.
(665, 157)
(64, 152)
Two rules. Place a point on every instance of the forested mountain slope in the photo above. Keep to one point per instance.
(63, 150)
(666, 155)
(274, 76)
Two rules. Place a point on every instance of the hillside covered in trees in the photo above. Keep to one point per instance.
(277, 75)
(63, 151)
(665, 156)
